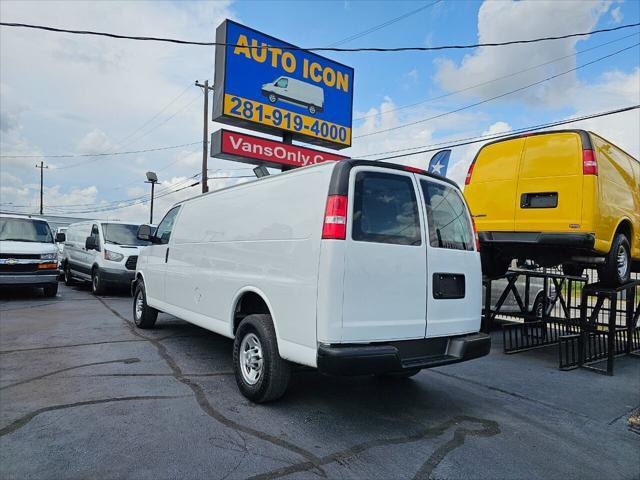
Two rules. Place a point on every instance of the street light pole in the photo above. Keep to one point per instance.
(42, 166)
(152, 178)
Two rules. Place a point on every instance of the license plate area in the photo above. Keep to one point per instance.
(448, 286)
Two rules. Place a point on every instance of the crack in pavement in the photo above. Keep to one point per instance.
(32, 349)
(489, 428)
(22, 421)
(206, 406)
(513, 394)
(215, 374)
(22, 382)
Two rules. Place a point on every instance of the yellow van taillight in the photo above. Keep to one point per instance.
(589, 164)
(467, 180)
(335, 218)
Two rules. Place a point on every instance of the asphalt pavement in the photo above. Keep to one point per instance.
(84, 394)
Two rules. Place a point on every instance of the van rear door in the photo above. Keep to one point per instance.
(549, 194)
(384, 296)
(454, 275)
(491, 185)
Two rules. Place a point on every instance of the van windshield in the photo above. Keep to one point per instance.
(120, 234)
(25, 230)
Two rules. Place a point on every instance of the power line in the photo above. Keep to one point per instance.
(104, 154)
(382, 25)
(510, 92)
(319, 49)
(432, 99)
(471, 140)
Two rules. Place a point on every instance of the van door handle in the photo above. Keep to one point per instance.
(166, 255)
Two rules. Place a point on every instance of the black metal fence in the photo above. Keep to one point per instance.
(563, 314)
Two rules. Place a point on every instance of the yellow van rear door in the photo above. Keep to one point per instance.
(549, 193)
(492, 189)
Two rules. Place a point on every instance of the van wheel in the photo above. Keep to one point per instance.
(493, 265)
(312, 109)
(144, 316)
(97, 285)
(537, 309)
(403, 374)
(617, 267)
(273, 98)
(50, 290)
(68, 278)
(261, 374)
(572, 270)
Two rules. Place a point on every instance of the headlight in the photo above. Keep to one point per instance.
(113, 256)
(49, 256)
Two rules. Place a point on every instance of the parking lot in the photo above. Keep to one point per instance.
(84, 394)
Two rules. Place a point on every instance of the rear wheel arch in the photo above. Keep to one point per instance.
(250, 301)
(625, 227)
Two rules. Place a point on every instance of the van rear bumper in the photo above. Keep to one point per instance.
(577, 240)
(397, 356)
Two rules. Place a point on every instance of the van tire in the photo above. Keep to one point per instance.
(537, 309)
(274, 373)
(408, 373)
(609, 274)
(312, 109)
(50, 290)
(572, 269)
(493, 265)
(97, 284)
(273, 98)
(68, 277)
(144, 316)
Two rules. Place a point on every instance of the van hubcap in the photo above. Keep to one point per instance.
(622, 261)
(139, 306)
(251, 359)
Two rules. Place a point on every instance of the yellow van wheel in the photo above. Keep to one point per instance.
(617, 267)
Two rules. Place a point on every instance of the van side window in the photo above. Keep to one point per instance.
(95, 233)
(282, 83)
(385, 209)
(449, 225)
(163, 232)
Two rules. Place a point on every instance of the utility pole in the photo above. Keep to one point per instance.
(42, 166)
(205, 134)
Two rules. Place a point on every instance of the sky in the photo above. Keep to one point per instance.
(63, 94)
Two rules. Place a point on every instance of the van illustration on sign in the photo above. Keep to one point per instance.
(296, 92)
(267, 85)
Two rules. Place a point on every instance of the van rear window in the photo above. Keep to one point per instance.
(449, 225)
(385, 209)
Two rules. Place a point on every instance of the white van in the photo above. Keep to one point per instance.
(104, 253)
(353, 267)
(28, 254)
(295, 91)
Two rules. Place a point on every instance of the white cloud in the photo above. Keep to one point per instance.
(96, 141)
(498, 21)
(616, 15)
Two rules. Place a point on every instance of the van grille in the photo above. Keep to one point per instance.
(131, 263)
(19, 267)
(21, 256)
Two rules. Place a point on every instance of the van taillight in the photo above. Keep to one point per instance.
(475, 234)
(335, 218)
(467, 181)
(589, 164)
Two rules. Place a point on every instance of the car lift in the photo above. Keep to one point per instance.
(583, 335)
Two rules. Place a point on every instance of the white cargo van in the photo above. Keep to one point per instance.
(295, 91)
(104, 253)
(352, 267)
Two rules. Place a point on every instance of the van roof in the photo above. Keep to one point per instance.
(22, 216)
(584, 137)
(339, 180)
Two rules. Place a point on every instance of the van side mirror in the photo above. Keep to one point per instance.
(91, 243)
(61, 237)
(145, 232)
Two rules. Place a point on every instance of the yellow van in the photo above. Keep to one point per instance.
(565, 197)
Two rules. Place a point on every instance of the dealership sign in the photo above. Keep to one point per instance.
(265, 84)
(257, 150)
